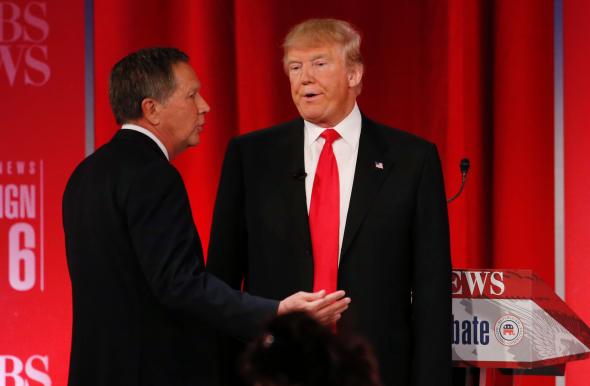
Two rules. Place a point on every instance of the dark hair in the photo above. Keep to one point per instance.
(146, 73)
(298, 350)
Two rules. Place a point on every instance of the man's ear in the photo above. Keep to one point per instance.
(355, 75)
(151, 112)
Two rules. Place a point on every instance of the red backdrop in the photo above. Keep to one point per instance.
(475, 77)
(577, 169)
(42, 139)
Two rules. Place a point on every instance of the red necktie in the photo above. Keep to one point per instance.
(324, 217)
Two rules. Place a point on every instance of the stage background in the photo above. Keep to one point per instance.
(41, 141)
(475, 77)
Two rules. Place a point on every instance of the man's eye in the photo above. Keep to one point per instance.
(294, 67)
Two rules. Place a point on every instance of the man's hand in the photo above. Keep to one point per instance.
(325, 308)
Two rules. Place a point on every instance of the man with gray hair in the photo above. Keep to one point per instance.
(334, 200)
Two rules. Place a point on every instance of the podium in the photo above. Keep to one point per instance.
(510, 319)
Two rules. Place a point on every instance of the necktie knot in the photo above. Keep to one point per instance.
(330, 135)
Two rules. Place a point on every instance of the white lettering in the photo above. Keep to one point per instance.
(477, 283)
(11, 371)
(18, 201)
(456, 287)
(21, 258)
(32, 168)
(40, 66)
(35, 374)
(474, 278)
(497, 281)
(10, 202)
(24, 31)
(9, 14)
(36, 20)
(22, 168)
(9, 63)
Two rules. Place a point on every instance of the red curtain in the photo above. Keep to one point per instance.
(577, 170)
(204, 30)
(475, 77)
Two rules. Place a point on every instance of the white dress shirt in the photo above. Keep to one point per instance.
(345, 150)
(130, 126)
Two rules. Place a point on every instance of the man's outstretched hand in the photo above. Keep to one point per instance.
(327, 309)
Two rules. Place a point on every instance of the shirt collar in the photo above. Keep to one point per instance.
(131, 126)
(349, 129)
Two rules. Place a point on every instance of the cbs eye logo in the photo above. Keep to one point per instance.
(509, 330)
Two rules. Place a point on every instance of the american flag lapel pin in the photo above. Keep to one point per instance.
(378, 165)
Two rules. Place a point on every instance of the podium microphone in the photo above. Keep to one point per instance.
(464, 167)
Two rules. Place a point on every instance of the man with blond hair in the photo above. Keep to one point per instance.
(334, 200)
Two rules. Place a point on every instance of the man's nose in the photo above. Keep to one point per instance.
(306, 74)
(203, 106)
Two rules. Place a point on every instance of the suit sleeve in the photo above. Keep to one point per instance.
(228, 246)
(431, 298)
(169, 251)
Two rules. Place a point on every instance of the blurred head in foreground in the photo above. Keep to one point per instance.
(297, 350)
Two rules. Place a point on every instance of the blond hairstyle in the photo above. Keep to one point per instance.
(314, 32)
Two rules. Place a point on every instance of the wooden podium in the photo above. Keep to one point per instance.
(511, 320)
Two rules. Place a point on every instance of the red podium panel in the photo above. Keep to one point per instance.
(505, 318)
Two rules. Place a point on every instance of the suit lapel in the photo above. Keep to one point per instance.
(372, 166)
(295, 186)
(368, 178)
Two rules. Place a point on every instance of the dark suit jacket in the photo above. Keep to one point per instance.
(140, 295)
(395, 259)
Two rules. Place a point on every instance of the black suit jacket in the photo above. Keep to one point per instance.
(140, 295)
(395, 259)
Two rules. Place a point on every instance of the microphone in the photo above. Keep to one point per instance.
(464, 167)
(299, 174)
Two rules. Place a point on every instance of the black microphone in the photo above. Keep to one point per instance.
(299, 174)
(464, 167)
